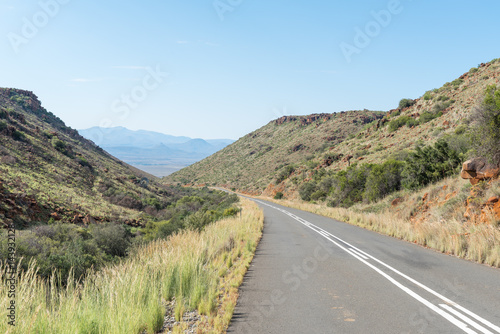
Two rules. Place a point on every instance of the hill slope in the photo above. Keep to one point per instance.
(258, 162)
(49, 172)
(252, 162)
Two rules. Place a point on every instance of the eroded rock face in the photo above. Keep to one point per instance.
(478, 169)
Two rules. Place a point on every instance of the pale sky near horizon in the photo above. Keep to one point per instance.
(221, 69)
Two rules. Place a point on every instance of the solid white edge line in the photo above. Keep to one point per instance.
(443, 298)
(447, 316)
(464, 318)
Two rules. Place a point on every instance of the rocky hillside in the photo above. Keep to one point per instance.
(257, 159)
(48, 172)
(285, 153)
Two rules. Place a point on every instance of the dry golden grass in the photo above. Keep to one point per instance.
(129, 297)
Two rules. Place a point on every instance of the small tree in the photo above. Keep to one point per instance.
(306, 190)
(279, 195)
(486, 128)
(383, 180)
(405, 103)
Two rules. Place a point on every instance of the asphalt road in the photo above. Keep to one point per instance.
(312, 274)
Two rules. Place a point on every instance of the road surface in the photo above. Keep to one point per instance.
(312, 274)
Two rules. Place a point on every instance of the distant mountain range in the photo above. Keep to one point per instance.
(154, 152)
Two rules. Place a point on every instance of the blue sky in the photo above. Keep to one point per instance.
(221, 69)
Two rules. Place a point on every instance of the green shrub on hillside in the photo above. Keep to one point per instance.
(285, 173)
(461, 129)
(457, 82)
(318, 195)
(427, 116)
(427, 96)
(197, 221)
(405, 103)
(83, 162)
(371, 182)
(306, 190)
(440, 106)
(473, 70)
(486, 133)
(18, 135)
(430, 164)
(349, 185)
(401, 121)
(58, 144)
(113, 239)
(279, 195)
(383, 180)
(65, 247)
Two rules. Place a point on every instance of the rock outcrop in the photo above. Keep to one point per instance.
(478, 169)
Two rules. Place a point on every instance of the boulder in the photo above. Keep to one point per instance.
(478, 169)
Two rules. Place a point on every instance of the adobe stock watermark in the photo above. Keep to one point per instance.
(48, 9)
(123, 106)
(372, 29)
(11, 274)
(224, 6)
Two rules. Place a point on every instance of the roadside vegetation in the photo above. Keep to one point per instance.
(196, 269)
(419, 197)
(371, 182)
(62, 248)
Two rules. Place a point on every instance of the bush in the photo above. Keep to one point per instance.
(83, 162)
(405, 103)
(279, 195)
(430, 164)
(427, 96)
(440, 106)
(18, 135)
(318, 195)
(161, 230)
(457, 82)
(306, 190)
(3, 114)
(58, 144)
(461, 129)
(411, 122)
(285, 173)
(486, 128)
(395, 124)
(230, 212)
(3, 125)
(59, 247)
(114, 239)
(427, 116)
(349, 185)
(473, 70)
(383, 180)
(197, 221)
